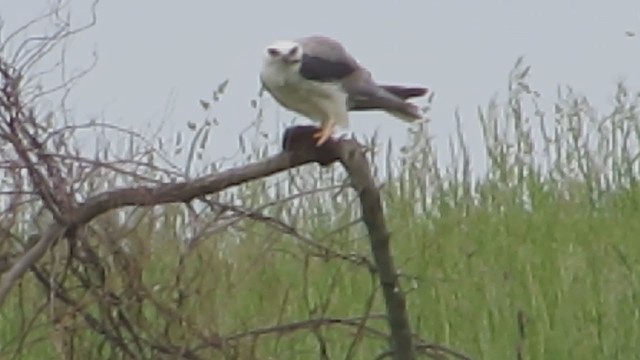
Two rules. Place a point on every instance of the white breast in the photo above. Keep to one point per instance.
(314, 100)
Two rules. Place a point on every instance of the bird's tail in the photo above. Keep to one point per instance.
(409, 113)
(404, 92)
(391, 99)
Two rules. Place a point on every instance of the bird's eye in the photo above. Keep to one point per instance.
(273, 52)
(293, 51)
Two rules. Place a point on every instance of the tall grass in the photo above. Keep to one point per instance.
(535, 257)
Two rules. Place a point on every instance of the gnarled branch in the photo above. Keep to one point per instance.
(298, 149)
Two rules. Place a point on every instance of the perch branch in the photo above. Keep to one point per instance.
(298, 149)
(357, 166)
(163, 194)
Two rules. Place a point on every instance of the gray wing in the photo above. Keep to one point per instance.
(326, 60)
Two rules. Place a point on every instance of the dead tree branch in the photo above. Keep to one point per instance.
(298, 149)
(357, 166)
(162, 194)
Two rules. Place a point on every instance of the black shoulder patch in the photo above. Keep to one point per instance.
(320, 69)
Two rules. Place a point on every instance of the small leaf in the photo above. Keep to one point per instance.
(191, 125)
(223, 86)
(205, 104)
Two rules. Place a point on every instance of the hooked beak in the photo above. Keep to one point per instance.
(290, 59)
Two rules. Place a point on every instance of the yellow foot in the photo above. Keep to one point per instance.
(325, 132)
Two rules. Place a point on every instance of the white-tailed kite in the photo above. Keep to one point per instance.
(316, 77)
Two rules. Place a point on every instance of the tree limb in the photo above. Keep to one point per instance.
(357, 166)
(169, 193)
(32, 255)
(298, 149)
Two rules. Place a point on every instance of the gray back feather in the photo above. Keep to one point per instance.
(330, 61)
(328, 49)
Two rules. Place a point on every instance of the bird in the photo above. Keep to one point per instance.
(315, 76)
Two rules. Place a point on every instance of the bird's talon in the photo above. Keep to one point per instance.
(322, 140)
(324, 133)
(322, 136)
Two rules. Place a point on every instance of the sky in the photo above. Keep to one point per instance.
(156, 59)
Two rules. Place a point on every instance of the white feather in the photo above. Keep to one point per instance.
(318, 101)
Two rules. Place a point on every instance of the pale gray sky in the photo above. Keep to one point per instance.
(463, 50)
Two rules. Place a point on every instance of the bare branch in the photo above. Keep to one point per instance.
(162, 194)
(299, 149)
(27, 25)
(357, 166)
(298, 325)
(34, 254)
(434, 351)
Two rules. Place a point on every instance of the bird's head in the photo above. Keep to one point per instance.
(284, 52)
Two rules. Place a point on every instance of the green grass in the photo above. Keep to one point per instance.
(539, 254)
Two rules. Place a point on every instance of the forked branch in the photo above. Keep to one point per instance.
(298, 149)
